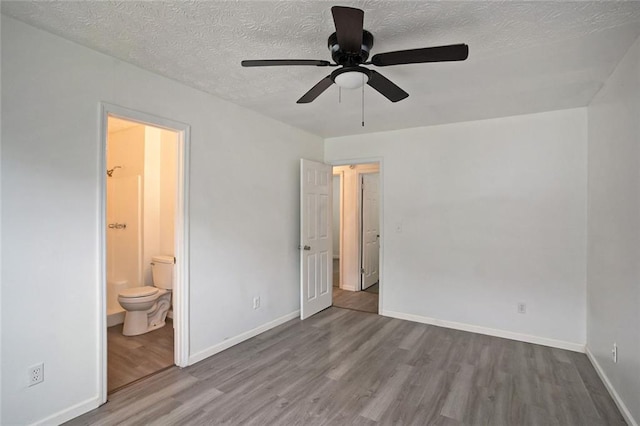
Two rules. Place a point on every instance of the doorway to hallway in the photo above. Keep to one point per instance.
(356, 237)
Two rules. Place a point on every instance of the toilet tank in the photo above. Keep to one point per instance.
(162, 272)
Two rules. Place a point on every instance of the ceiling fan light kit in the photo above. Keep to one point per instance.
(350, 46)
(351, 77)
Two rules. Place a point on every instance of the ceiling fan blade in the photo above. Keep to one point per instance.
(386, 87)
(454, 52)
(349, 24)
(316, 90)
(278, 62)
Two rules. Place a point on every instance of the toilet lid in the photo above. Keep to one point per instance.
(138, 291)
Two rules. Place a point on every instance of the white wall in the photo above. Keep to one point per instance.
(613, 289)
(492, 213)
(244, 214)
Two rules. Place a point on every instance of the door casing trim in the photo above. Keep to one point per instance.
(181, 286)
(380, 161)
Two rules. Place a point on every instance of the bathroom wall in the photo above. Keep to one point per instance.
(168, 180)
(151, 200)
(125, 148)
(159, 195)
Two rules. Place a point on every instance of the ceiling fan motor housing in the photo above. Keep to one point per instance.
(341, 57)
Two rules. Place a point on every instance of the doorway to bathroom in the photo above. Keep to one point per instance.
(144, 246)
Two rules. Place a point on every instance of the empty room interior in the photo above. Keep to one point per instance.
(365, 212)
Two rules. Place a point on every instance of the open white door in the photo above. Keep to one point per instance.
(316, 257)
(370, 230)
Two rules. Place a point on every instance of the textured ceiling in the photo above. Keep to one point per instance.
(524, 56)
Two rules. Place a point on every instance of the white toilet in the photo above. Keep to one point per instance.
(146, 307)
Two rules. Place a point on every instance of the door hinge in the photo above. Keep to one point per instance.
(174, 260)
(362, 270)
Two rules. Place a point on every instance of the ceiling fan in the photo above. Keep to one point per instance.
(350, 46)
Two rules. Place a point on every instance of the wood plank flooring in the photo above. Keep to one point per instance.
(130, 358)
(358, 300)
(347, 367)
(374, 288)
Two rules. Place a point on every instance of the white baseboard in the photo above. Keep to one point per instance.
(70, 413)
(349, 287)
(576, 347)
(241, 337)
(612, 391)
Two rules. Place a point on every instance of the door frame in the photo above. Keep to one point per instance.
(181, 284)
(380, 161)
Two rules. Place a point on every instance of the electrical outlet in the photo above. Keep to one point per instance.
(36, 374)
(256, 302)
(522, 308)
(614, 353)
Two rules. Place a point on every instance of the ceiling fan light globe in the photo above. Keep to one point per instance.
(351, 79)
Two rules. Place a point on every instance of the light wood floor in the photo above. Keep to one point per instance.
(345, 367)
(130, 358)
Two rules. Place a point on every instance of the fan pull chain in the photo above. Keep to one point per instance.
(362, 100)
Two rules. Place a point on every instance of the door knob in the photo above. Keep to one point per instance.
(304, 248)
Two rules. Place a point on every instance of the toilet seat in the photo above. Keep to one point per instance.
(138, 292)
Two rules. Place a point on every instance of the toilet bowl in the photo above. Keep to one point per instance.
(146, 309)
(147, 306)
